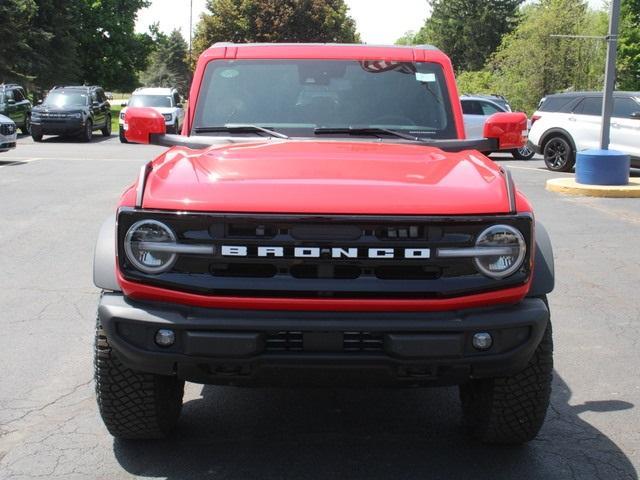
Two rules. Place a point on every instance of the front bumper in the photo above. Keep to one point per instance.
(62, 126)
(249, 347)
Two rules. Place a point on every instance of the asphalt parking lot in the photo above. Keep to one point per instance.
(53, 198)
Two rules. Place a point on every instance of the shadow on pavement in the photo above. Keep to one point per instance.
(97, 138)
(368, 434)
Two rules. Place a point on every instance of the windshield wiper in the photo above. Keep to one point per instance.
(354, 130)
(240, 128)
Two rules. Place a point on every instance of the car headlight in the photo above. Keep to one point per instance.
(500, 251)
(122, 115)
(75, 115)
(143, 245)
(167, 116)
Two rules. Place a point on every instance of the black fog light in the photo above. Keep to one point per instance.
(482, 341)
(165, 337)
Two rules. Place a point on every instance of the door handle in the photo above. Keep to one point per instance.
(615, 125)
(572, 119)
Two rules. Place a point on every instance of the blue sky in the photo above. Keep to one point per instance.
(379, 21)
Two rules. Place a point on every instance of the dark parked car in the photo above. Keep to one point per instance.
(15, 105)
(72, 111)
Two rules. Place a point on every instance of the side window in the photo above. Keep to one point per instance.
(176, 98)
(624, 107)
(9, 94)
(591, 106)
(488, 108)
(471, 107)
(17, 94)
(94, 96)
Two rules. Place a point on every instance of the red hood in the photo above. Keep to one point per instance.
(326, 177)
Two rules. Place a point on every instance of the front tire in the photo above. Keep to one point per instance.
(37, 137)
(106, 131)
(26, 128)
(511, 410)
(87, 135)
(559, 155)
(123, 139)
(134, 405)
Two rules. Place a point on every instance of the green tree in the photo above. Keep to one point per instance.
(469, 31)
(530, 63)
(408, 38)
(15, 24)
(629, 46)
(168, 65)
(109, 51)
(274, 21)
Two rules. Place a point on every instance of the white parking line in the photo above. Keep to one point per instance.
(541, 170)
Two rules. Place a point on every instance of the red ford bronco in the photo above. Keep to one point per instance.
(323, 220)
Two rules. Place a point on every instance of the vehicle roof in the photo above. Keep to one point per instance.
(153, 91)
(333, 51)
(592, 94)
(75, 87)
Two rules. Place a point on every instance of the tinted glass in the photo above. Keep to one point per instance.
(624, 107)
(471, 107)
(299, 95)
(488, 109)
(150, 101)
(17, 94)
(66, 99)
(590, 106)
(556, 104)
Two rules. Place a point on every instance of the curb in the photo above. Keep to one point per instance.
(568, 186)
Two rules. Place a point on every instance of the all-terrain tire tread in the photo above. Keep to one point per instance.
(134, 405)
(511, 410)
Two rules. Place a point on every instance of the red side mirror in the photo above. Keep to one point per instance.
(508, 128)
(141, 123)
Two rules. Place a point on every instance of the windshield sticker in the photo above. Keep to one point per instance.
(425, 77)
(229, 73)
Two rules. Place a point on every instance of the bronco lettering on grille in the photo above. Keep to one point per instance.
(317, 252)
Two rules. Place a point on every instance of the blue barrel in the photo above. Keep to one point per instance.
(602, 167)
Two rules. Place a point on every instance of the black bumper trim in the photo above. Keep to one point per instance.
(534, 147)
(228, 346)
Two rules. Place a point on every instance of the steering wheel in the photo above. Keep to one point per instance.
(392, 120)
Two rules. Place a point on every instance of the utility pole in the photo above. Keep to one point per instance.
(190, 30)
(610, 73)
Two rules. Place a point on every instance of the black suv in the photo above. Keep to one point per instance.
(72, 111)
(15, 105)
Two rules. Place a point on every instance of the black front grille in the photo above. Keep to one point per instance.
(7, 129)
(327, 273)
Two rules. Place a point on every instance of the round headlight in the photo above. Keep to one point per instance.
(141, 244)
(501, 250)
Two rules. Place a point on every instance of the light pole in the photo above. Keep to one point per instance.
(190, 29)
(610, 74)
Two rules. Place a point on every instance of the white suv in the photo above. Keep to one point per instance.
(165, 100)
(566, 123)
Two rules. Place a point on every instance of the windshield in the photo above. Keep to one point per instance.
(297, 96)
(150, 101)
(1, 97)
(66, 99)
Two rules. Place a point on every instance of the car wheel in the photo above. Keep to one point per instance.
(106, 131)
(37, 137)
(26, 129)
(524, 153)
(123, 139)
(134, 405)
(87, 135)
(559, 155)
(511, 410)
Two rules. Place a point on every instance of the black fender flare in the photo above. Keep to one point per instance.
(561, 131)
(543, 269)
(104, 257)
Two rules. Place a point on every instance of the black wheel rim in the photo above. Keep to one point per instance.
(556, 154)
